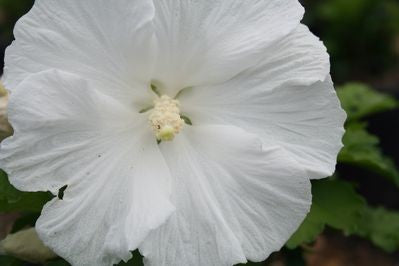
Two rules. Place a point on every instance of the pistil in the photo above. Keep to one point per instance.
(165, 118)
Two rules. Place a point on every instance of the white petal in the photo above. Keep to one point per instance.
(209, 41)
(234, 199)
(289, 99)
(67, 133)
(109, 42)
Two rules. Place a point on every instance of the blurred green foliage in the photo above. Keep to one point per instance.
(362, 149)
(381, 227)
(12, 199)
(9, 261)
(360, 101)
(360, 35)
(336, 204)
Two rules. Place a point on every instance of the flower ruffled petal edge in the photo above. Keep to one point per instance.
(110, 43)
(235, 198)
(289, 99)
(210, 41)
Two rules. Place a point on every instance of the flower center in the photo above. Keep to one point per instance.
(165, 118)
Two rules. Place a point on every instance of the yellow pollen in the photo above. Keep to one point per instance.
(165, 118)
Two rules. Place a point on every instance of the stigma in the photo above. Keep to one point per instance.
(165, 118)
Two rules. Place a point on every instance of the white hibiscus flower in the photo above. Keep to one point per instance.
(231, 187)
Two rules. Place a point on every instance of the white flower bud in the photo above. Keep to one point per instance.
(27, 246)
(5, 127)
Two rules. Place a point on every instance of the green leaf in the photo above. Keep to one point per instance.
(336, 204)
(12, 199)
(381, 227)
(362, 149)
(360, 101)
(10, 261)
